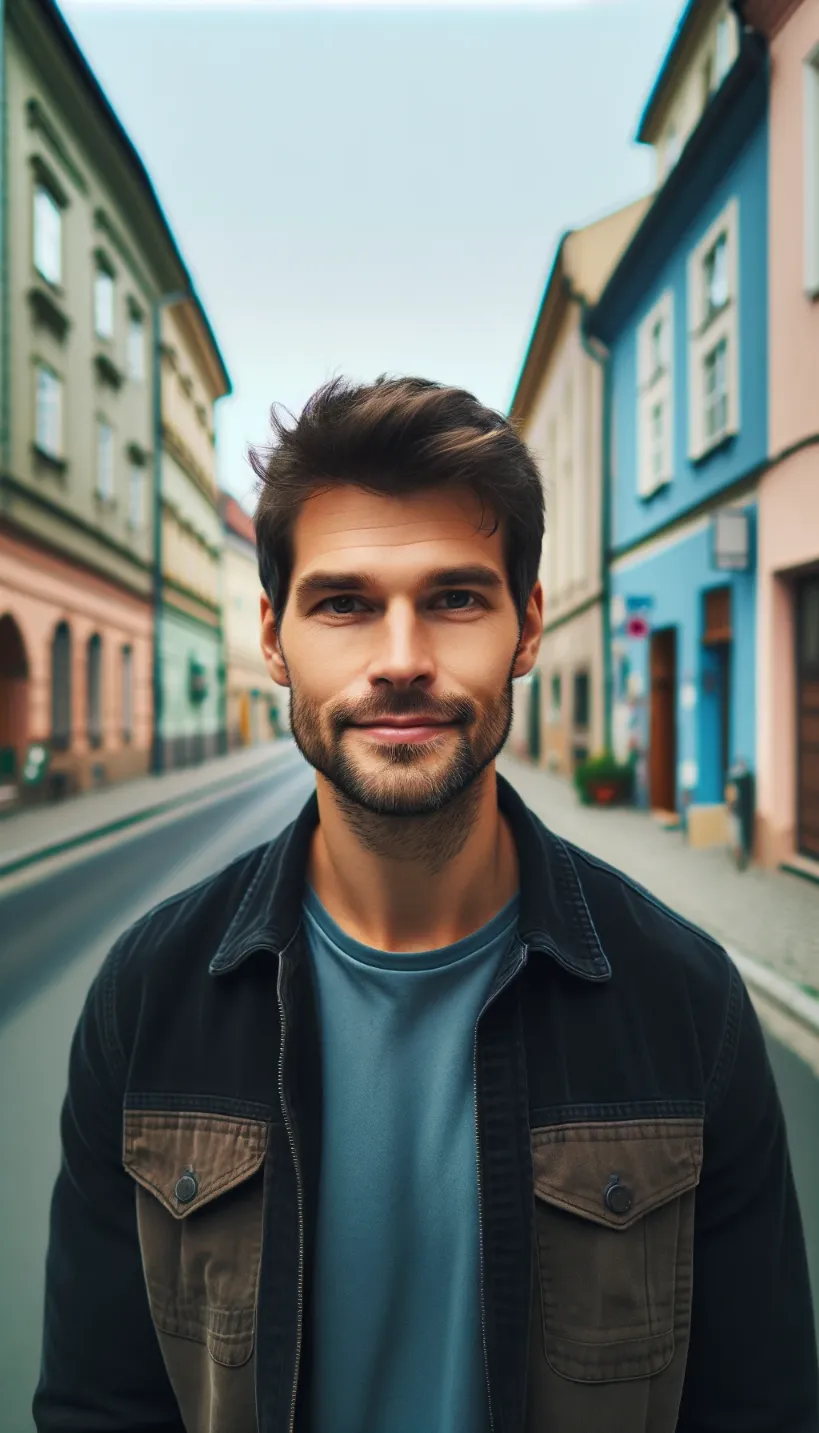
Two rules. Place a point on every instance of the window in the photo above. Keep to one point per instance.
(673, 147)
(657, 441)
(722, 50)
(61, 687)
(557, 698)
(713, 339)
(658, 347)
(135, 495)
(48, 235)
(716, 392)
(127, 694)
(105, 460)
(655, 396)
(103, 302)
(48, 412)
(581, 700)
(716, 278)
(707, 78)
(94, 689)
(136, 347)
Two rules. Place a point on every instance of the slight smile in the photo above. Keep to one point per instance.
(402, 732)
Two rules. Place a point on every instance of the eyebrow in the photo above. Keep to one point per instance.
(474, 575)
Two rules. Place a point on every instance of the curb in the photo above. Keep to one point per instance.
(779, 990)
(234, 780)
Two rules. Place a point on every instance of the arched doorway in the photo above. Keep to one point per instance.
(61, 687)
(13, 699)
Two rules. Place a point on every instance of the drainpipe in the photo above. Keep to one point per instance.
(601, 356)
(160, 303)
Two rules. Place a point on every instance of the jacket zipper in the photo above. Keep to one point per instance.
(523, 953)
(299, 1195)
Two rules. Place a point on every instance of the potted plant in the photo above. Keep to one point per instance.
(604, 781)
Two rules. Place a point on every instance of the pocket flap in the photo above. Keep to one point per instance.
(614, 1173)
(187, 1159)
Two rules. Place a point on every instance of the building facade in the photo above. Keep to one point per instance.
(685, 319)
(190, 690)
(256, 709)
(788, 549)
(558, 410)
(88, 254)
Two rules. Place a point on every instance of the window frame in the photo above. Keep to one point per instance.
(136, 482)
(103, 271)
(655, 389)
(104, 425)
(41, 187)
(45, 369)
(708, 327)
(136, 325)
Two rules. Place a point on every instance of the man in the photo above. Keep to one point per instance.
(418, 1119)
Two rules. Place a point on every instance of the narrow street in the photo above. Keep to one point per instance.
(57, 931)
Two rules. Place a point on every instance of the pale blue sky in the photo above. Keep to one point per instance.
(375, 189)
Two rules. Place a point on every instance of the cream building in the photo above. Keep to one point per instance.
(191, 716)
(558, 410)
(89, 254)
(256, 709)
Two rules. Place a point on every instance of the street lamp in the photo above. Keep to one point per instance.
(159, 305)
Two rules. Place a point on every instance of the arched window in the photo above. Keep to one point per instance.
(127, 694)
(95, 690)
(61, 687)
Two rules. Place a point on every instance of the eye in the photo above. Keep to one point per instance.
(462, 597)
(334, 611)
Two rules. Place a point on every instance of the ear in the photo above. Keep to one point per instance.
(530, 637)
(271, 647)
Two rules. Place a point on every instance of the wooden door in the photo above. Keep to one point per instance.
(807, 746)
(663, 721)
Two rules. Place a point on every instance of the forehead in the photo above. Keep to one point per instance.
(346, 524)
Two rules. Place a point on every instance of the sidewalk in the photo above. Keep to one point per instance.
(769, 917)
(28, 836)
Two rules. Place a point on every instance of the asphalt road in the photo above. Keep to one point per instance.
(55, 934)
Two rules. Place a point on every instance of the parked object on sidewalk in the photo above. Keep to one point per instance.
(739, 799)
(604, 781)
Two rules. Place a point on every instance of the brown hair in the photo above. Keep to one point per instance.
(397, 436)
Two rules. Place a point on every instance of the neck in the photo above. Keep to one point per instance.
(413, 882)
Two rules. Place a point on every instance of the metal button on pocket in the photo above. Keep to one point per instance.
(618, 1197)
(187, 1187)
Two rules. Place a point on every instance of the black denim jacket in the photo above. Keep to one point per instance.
(642, 1258)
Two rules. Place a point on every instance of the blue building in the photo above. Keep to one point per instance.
(683, 320)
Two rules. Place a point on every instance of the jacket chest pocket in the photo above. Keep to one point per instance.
(199, 1209)
(614, 1224)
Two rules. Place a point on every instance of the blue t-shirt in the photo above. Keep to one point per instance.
(397, 1343)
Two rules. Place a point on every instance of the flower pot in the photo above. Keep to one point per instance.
(605, 793)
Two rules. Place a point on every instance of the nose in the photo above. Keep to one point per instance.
(403, 653)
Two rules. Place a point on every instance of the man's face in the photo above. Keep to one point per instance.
(399, 610)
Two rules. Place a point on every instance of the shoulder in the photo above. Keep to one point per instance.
(662, 960)
(165, 954)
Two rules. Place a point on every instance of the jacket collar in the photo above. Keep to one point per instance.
(554, 915)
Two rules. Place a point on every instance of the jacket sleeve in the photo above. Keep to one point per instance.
(102, 1370)
(752, 1360)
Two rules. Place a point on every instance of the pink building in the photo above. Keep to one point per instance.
(75, 670)
(788, 555)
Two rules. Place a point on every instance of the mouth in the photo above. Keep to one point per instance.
(402, 729)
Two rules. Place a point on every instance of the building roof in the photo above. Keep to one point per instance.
(690, 21)
(703, 151)
(236, 519)
(581, 265)
(175, 273)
